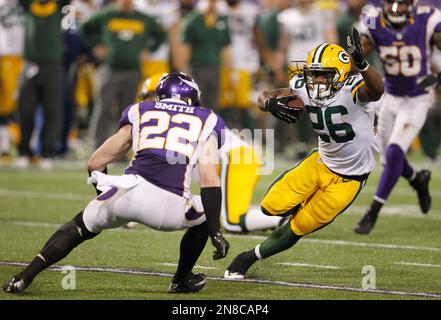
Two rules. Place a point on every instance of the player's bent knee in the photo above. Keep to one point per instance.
(78, 224)
(272, 206)
(302, 225)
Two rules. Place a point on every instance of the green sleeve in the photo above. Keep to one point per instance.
(156, 35)
(90, 31)
(187, 29)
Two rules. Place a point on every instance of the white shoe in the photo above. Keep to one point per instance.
(233, 275)
(22, 162)
(46, 164)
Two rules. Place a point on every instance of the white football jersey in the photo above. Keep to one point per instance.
(166, 13)
(241, 21)
(11, 28)
(304, 31)
(345, 126)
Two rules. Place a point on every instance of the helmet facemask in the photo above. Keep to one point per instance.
(322, 83)
(394, 16)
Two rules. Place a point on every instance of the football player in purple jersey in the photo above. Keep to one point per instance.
(168, 137)
(404, 36)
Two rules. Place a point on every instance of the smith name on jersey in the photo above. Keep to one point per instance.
(167, 139)
(405, 52)
(347, 144)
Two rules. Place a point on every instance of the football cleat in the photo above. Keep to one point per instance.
(240, 265)
(421, 185)
(366, 224)
(14, 285)
(191, 283)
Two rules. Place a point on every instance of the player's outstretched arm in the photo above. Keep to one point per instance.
(112, 149)
(373, 88)
(211, 195)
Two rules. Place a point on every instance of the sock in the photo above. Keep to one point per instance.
(280, 240)
(254, 220)
(391, 172)
(408, 171)
(192, 244)
(59, 245)
(375, 208)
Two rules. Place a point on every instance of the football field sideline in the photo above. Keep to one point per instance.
(255, 281)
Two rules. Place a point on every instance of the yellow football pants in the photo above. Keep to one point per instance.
(84, 86)
(312, 193)
(10, 69)
(239, 177)
(235, 88)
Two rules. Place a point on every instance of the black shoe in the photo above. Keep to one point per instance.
(15, 285)
(366, 224)
(191, 283)
(421, 185)
(240, 265)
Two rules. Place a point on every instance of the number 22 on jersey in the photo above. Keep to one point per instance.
(164, 136)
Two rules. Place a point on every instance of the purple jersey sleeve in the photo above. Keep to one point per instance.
(125, 117)
(219, 131)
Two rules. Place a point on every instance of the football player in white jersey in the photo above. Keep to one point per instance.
(302, 27)
(236, 81)
(324, 184)
(168, 137)
(166, 12)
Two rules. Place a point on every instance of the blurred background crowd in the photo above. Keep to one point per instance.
(69, 67)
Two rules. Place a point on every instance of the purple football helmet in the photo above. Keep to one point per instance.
(180, 86)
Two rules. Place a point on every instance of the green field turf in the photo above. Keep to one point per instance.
(404, 248)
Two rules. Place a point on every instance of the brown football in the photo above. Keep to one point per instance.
(297, 103)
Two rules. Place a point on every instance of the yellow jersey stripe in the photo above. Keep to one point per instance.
(356, 87)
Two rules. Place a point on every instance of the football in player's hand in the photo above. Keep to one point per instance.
(296, 104)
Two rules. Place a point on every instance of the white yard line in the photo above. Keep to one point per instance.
(258, 281)
(404, 210)
(416, 264)
(307, 265)
(402, 192)
(372, 245)
(306, 240)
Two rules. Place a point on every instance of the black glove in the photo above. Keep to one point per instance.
(98, 192)
(356, 51)
(221, 245)
(430, 81)
(279, 108)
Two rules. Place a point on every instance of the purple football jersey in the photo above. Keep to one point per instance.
(405, 52)
(167, 139)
